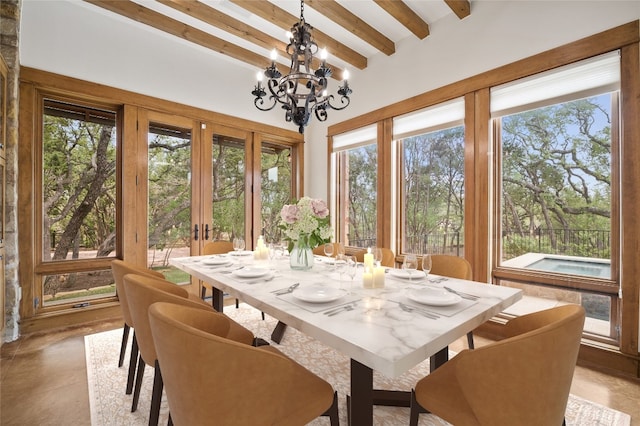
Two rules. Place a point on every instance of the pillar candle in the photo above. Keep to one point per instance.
(378, 277)
(367, 278)
(368, 260)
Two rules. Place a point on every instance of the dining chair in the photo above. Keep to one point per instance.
(522, 380)
(453, 267)
(142, 291)
(246, 385)
(120, 268)
(319, 251)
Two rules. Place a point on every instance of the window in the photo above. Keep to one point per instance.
(78, 201)
(556, 143)
(356, 157)
(431, 144)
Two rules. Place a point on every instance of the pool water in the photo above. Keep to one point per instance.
(576, 267)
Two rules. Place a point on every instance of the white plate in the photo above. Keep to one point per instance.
(433, 296)
(250, 272)
(318, 294)
(405, 275)
(216, 261)
(241, 253)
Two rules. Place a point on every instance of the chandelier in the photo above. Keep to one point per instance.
(303, 91)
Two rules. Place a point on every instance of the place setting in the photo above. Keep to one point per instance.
(252, 274)
(434, 300)
(316, 297)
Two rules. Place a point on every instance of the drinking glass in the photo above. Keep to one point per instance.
(426, 265)
(238, 244)
(351, 269)
(410, 264)
(339, 249)
(341, 264)
(273, 251)
(328, 249)
(377, 256)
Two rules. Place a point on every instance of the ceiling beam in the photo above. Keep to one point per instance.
(270, 12)
(343, 17)
(406, 16)
(462, 8)
(238, 28)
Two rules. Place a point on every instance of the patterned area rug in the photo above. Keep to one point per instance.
(110, 405)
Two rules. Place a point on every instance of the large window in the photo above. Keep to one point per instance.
(431, 144)
(356, 158)
(556, 140)
(78, 201)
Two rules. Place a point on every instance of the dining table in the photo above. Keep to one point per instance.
(412, 316)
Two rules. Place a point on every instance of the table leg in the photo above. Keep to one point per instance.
(361, 401)
(439, 358)
(217, 299)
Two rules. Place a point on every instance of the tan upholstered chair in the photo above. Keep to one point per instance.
(216, 247)
(142, 291)
(246, 385)
(522, 380)
(454, 267)
(320, 250)
(120, 268)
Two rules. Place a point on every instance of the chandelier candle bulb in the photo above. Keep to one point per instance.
(367, 278)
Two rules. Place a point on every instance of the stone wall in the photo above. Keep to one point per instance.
(9, 48)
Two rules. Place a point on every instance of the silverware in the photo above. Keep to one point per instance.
(287, 290)
(408, 308)
(339, 311)
(461, 294)
(231, 270)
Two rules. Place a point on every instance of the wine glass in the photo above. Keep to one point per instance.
(351, 270)
(328, 249)
(410, 264)
(377, 256)
(339, 249)
(426, 265)
(238, 244)
(341, 264)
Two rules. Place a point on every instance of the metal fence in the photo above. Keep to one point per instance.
(448, 243)
(571, 242)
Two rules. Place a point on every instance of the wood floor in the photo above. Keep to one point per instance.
(44, 381)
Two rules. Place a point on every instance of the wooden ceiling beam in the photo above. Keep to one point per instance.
(272, 13)
(238, 28)
(406, 16)
(350, 22)
(462, 8)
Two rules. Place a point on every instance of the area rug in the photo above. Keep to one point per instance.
(110, 405)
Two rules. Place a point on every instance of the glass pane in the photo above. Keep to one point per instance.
(169, 204)
(556, 188)
(77, 286)
(228, 186)
(433, 215)
(361, 165)
(78, 182)
(276, 188)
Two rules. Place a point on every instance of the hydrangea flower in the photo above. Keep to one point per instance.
(308, 219)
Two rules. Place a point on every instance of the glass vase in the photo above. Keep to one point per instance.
(301, 256)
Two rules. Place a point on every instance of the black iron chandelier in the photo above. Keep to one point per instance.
(302, 91)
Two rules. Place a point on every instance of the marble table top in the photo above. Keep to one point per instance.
(376, 331)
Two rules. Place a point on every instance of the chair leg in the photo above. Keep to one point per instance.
(136, 391)
(132, 364)
(262, 316)
(203, 292)
(416, 409)
(170, 421)
(470, 340)
(123, 345)
(332, 412)
(237, 303)
(156, 396)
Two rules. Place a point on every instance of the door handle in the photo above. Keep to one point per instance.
(195, 232)
(206, 231)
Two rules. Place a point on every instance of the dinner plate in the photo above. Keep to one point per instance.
(318, 294)
(405, 275)
(216, 261)
(241, 253)
(250, 272)
(433, 296)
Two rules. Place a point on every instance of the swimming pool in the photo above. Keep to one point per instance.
(599, 268)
